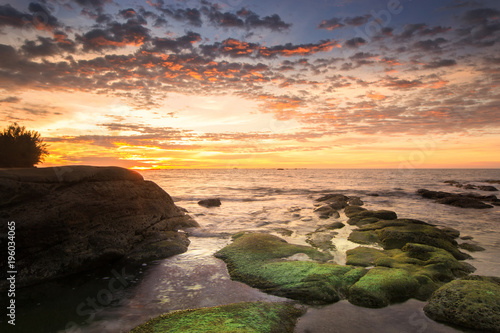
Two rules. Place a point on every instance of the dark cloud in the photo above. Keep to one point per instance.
(177, 44)
(440, 63)
(273, 22)
(355, 42)
(480, 15)
(44, 47)
(409, 30)
(127, 13)
(115, 35)
(331, 24)
(10, 99)
(430, 45)
(97, 4)
(397, 83)
(9, 16)
(434, 31)
(40, 17)
(358, 20)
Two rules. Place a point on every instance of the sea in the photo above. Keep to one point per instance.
(264, 200)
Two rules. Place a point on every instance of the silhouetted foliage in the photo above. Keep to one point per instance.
(20, 148)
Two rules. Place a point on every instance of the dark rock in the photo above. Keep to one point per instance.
(463, 202)
(487, 188)
(470, 200)
(321, 240)
(373, 194)
(355, 201)
(332, 226)
(76, 218)
(335, 201)
(451, 182)
(352, 210)
(326, 211)
(469, 187)
(453, 233)
(214, 202)
(467, 237)
(471, 247)
(471, 303)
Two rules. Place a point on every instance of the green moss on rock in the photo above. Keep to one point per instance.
(258, 260)
(431, 267)
(246, 317)
(382, 286)
(471, 303)
(395, 234)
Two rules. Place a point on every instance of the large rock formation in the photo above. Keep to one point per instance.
(75, 218)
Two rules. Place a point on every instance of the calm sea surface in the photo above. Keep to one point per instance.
(265, 200)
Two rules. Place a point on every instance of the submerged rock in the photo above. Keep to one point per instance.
(472, 302)
(258, 260)
(213, 202)
(471, 247)
(326, 211)
(363, 217)
(245, 317)
(75, 218)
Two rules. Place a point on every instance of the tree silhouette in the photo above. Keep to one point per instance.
(20, 148)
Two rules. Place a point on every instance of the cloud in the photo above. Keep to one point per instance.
(336, 22)
(396, 83)
(481, 15)
(430, 45)
(289, 49)
(331, 24)
(190, 16)
(115, 35)
(10, 99)
(273, 22)
(355, 42)
(440, 63)
(175, 45)
(40, 19)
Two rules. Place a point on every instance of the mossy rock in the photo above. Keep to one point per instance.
(471, 303)
(246, 317)
(259, 261)
(430, 266)
(471, 247)
(395, 234)
(382, 286)
(353, 210)
(356, 217)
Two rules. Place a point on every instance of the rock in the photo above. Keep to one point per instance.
(487, 188)
(373, 194)
(458, 200)
(284, 231)
(77, 218)
(467, 237)
(237, 317)
(370, 216)
(326, 211)
(331, 226)
(352, 210)
(355, 201)
(453, 233)
(395, 234)
(470, 303)
(463, 202)
(258, 260)
(431, 267)
(382, 286)
(469, 187)
(321, 240)
(471, 247)
(451, 182)
(335, 201)
(213, 202)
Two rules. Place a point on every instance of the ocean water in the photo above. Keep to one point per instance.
(263, 200)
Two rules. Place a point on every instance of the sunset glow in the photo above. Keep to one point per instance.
(255, 84)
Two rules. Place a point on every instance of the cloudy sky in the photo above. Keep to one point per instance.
(255, 83)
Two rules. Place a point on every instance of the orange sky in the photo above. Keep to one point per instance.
(163, 84)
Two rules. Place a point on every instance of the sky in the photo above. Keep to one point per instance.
(254, 83)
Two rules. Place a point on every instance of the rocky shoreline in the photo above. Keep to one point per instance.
(81, 218)
(399, 259)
